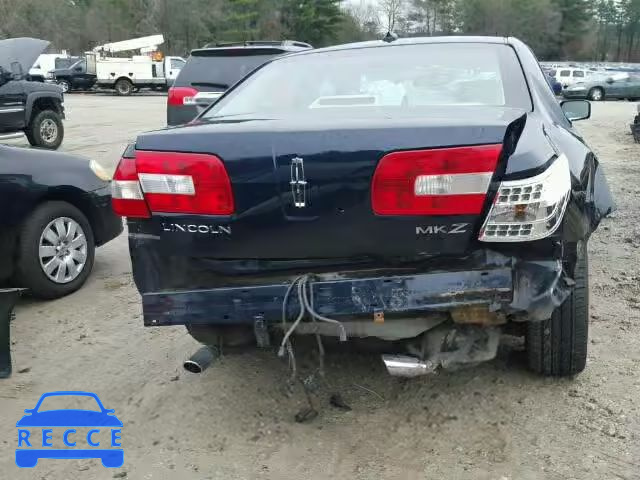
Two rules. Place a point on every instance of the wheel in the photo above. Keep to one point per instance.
(558, 346)
(55, 250)
(596, 94)
(45, 130)
(228, 337)
(64, 85)
(124, 87)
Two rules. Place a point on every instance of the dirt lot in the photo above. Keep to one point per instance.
(496, 421)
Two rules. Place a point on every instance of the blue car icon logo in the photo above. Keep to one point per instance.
(84, 432)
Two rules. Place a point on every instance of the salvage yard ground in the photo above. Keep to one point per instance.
(495, 421)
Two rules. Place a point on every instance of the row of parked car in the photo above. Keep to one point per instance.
(594, 84)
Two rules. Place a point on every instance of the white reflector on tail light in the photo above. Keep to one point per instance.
(163, 183)
(460, 184)
(126, 190)
(529, 209)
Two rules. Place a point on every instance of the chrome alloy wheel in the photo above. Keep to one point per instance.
(62, 250)
(48, 130)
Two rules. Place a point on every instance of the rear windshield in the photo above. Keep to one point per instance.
(400, 76)
(219, 69)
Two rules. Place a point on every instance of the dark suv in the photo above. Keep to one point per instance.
(211, 70)
(33, 108)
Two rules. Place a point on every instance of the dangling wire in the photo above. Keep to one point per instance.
(306, 306)
(309, 308)
(286, 343)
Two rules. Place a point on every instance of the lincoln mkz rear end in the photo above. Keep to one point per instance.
(427, 192)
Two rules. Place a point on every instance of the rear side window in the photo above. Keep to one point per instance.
(578, 73)
(65, 62)
(219, 69)
(564, 73)
(402, 78)
(177, 64)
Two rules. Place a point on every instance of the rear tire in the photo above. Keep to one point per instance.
(558, 346)
(45, 130)
(596, 94)
(124, 87)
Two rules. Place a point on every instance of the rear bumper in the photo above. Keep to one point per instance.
(527, 290)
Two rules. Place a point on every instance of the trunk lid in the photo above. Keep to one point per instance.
(302, 187)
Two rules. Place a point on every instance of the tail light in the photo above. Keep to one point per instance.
(127, 199)
(531, 208)
(444, 181)
(169, 182)
(179, 96)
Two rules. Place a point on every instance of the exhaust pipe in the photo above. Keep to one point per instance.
(200, 361)
(405, 366)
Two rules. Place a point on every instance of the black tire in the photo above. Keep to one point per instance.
(596, 94)
(229, 338)
(558, 346)
(43, 139)
(65, 85)
(124, 87)
(29, 272)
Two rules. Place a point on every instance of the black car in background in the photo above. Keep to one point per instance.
(210, 71)
(73, 77)
(357, 191)
(55, 209)
(34, 109)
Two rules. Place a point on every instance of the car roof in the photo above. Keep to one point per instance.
(284, 46)
(409, 41)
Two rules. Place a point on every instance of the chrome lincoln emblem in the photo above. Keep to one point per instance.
(298, 183)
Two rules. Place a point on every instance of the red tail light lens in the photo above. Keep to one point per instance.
(169, 182)
(127, 199)
(191, 183)
(443, 181)
(179, 96)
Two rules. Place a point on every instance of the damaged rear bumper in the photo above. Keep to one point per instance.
(523, 290)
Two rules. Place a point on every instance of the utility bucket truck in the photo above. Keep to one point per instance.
(149, 68)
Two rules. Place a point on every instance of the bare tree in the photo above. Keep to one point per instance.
(391, 9)
(366, 15)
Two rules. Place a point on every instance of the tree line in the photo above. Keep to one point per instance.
(596, 30)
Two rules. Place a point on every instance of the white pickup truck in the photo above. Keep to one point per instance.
(126, 75)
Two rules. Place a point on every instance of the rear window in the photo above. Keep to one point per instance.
(219, 69)
(410, 77)
(564, 73)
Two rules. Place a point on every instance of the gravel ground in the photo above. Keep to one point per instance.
(496, 421)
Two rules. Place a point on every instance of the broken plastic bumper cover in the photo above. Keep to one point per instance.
(532, 288)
